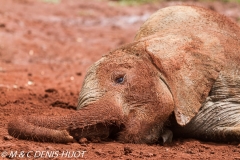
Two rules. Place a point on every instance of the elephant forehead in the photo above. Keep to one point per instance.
(114, 63)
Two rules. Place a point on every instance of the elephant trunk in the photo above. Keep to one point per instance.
(62, 129)
(22, 128)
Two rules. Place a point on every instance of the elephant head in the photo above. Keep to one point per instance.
(123, 90)
(127, 80)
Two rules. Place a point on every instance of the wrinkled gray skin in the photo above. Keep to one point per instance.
(181, 73)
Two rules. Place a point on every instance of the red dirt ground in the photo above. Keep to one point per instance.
(45, 50)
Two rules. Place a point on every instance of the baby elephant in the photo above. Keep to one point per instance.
(181, 73)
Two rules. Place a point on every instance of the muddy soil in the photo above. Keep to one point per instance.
(45, 50)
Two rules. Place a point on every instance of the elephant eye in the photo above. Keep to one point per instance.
(120, 79)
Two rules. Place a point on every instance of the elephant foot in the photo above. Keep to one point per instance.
(166, 136)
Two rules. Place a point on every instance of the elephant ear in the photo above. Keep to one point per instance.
(189, 65)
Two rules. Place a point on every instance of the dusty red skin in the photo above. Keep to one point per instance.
(46, 39)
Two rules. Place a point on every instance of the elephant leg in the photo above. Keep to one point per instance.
(219, 117)
(230, 133)
(217, 121)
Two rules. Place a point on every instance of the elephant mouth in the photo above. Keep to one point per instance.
(98, 132)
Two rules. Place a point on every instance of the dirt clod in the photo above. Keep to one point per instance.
(127, 150)
(100, 152)
(7, 137)
(51, 90)
(83, 140)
